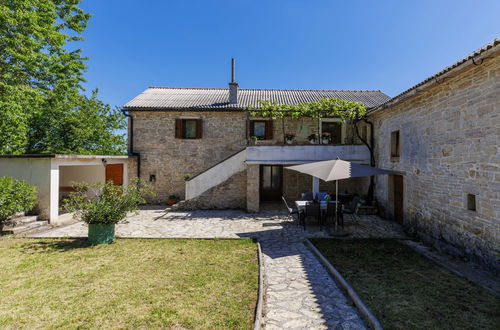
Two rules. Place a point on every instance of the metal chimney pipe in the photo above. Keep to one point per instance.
(233, 85)
(232, 70)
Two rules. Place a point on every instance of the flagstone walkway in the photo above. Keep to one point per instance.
(299, 293)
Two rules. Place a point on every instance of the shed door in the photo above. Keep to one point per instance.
(398, 189)
(114, 172)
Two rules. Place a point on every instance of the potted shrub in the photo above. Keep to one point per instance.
(172, 199)
(312, 139)
(15, 196)
(289, 138)
(254, 140)
(325, 137)
(103, 205)
(187, 176)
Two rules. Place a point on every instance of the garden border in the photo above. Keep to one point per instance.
(260, 294)
(363, 309)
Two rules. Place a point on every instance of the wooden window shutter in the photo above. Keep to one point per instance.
(199, 128)
(269, 129)
(252, 129)
(178, 129)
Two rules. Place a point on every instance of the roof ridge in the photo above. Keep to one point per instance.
(269, 89)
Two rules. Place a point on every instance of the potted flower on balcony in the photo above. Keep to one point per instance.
(325, 137)
(289, 138)
(103, 205)
(312, 139)
(254, 140)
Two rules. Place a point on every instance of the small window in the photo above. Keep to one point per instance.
(262, 129)
(395, 144)
(471, 202)
(188, 128)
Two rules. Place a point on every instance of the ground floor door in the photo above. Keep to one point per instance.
(114, 172)
(271, 182)
(398, 198)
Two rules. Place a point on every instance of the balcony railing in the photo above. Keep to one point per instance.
(299, 154)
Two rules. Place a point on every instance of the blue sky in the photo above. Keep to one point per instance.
(297, 44)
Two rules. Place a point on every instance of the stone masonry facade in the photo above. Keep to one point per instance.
(449, 137)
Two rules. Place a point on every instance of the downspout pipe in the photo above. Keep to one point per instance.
(130, 149)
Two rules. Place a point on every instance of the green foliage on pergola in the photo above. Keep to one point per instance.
(323, 108)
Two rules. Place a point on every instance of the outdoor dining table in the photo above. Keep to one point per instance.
(301, 205)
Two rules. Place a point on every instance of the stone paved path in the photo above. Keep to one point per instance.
(299, 293)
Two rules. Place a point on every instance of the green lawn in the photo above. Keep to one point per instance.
(134, 283)
(407, 291)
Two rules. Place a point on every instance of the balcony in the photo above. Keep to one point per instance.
(299, 154)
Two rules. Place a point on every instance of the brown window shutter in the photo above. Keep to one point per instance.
(199, 128)
(269, 129)
(178, 129)
(252, 129)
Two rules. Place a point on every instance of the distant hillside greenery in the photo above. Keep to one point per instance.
(43, 107)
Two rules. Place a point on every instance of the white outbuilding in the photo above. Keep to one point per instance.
(53, 174)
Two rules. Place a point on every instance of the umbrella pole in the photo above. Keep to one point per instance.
(336, 203)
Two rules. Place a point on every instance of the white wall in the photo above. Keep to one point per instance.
(36, 171)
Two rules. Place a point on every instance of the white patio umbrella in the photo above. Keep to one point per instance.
(338, 169)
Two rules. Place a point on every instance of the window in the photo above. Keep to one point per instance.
(335, 130)
(395, 144)
(188, 128)
(262, 129)
(471, 202)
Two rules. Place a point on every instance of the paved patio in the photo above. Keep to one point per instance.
(299, 293)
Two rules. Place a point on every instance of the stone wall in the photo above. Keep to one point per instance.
(169, 159)
(231, 194)
(449, 136)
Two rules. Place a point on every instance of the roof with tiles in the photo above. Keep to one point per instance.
(175, 98)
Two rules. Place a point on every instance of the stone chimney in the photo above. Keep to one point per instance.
(233, 86)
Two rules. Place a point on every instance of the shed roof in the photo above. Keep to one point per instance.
(197, 99)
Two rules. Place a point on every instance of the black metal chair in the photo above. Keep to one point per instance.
(291, 211)
(352, 208)
(307, 196)
(330, 213)
(312, 210)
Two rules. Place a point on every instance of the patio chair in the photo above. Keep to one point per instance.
(307, 196)
(353, 207)
(330, 213)
(321, 196)
(291, 211)
(312, 210)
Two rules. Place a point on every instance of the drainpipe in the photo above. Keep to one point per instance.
(130, 149)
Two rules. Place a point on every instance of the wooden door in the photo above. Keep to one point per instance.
(398, 198)
(114, 172)
(271, 182)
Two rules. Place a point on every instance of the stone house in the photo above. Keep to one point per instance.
(442, 134)
(200, 132)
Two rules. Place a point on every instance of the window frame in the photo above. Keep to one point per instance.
(268, 129)
(180, 128)
(337, 121)
(395, 145)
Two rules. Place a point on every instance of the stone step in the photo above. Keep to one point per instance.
(20, 220)
(25, 227)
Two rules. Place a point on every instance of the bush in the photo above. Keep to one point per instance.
(15, 196)
(105, 203)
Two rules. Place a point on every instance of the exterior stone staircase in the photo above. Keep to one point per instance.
(25, 224)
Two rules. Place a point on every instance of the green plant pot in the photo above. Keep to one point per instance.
(101, 233)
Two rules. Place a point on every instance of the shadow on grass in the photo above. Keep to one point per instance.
(55, 245)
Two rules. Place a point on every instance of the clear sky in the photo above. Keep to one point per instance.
(296, 44)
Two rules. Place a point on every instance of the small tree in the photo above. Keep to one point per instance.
(15, 196)
(106, 203)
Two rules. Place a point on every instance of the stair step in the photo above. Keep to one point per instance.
(26, 227)
(20, 220)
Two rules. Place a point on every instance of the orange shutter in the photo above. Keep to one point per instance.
(114, 172)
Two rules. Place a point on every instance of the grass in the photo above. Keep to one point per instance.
(133, 283)
(407, 291)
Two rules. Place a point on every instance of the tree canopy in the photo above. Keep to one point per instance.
(43, 107)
